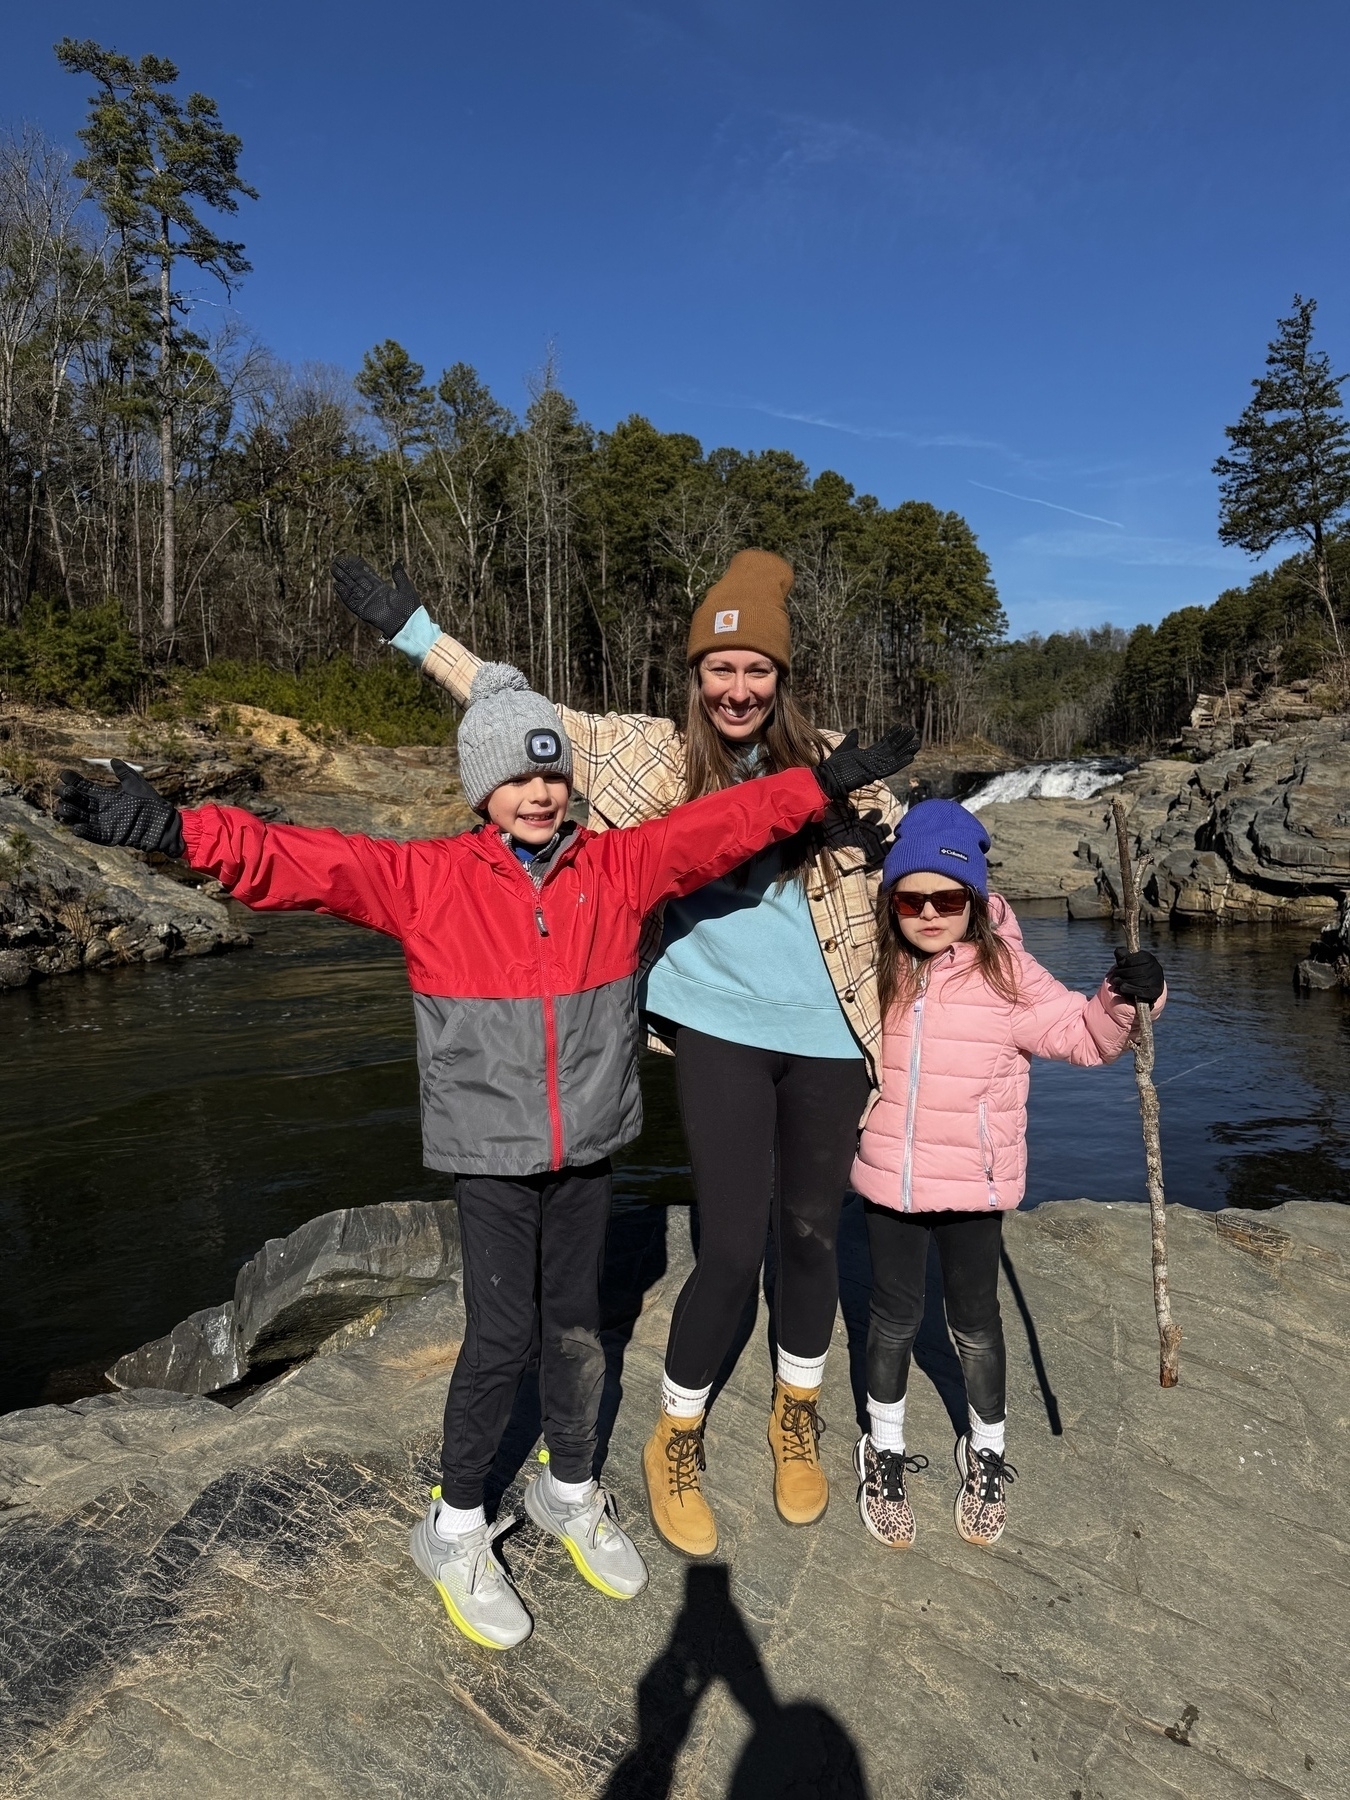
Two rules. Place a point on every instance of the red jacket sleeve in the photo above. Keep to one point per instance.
(703, 839)
(288, 868)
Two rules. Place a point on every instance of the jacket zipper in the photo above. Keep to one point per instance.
(550, 1051)
(915, 1064)
(987, 1153)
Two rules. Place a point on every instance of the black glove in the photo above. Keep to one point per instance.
(361, 591)
(868, 834)
(131, 813)
(847, 767)
(1137, 976)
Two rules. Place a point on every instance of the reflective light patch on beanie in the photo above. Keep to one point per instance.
(542, 746)
(728, 621)
(959, 854)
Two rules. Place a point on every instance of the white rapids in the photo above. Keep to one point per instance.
(1078, 780)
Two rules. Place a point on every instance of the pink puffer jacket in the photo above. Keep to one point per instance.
(949, 1130)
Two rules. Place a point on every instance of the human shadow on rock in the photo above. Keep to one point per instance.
(635, 1260)
(797, 1750)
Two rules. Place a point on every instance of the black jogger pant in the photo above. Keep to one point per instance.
(968, 1245)
(532, 1253)
(771, 1140)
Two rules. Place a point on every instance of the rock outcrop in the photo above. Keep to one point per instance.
(68, 905)
(220, 1601)
(1260, 833)
(1327, 964)
(347, 1267)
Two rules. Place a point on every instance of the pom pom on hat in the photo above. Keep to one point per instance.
(497, 678)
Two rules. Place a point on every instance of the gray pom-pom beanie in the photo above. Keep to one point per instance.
(508, 730)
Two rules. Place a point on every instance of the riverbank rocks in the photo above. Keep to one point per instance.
(66, 904)
(216, 1601)
(1327, 964)
(350, 1266)
(1254, 835)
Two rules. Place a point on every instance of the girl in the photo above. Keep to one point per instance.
(943, 1153)
(761, 984)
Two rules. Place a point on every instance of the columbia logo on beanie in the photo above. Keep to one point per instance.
(932, 836)
(508, 731)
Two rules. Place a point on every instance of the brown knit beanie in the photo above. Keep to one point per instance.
(746, 609)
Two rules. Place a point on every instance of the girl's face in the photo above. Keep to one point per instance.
(932, 932)
(738, 688)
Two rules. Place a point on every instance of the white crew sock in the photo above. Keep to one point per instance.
(799, 1371)
(683, 1403)
(986, 1437)
(454, 1521)
(886, 1423)
(569, 1493)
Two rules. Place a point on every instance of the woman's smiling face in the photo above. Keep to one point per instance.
(738, 688)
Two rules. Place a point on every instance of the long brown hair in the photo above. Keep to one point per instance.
(902, 972)
(789, 740)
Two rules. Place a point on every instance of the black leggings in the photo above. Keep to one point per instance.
(968, 1245)
(771, 1140)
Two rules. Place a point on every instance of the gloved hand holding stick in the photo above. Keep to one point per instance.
(1169, 1335)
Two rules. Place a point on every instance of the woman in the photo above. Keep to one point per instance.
(762, 984)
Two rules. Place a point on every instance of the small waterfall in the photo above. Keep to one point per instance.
(1076, 780)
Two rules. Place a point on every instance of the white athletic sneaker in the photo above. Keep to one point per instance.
(476, 1589)
(590, 1532)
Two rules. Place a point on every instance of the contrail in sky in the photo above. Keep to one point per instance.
(1031, 500)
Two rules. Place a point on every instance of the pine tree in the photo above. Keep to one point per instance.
(148, 158)
(1288, 476)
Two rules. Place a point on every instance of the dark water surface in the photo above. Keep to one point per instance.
(158, 1124)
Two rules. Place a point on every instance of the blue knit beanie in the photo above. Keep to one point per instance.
(938, 837)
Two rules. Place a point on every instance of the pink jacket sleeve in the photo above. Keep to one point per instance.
(291, 868)
(1054, 1021)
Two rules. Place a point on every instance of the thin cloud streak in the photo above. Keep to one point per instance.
(1031, 500)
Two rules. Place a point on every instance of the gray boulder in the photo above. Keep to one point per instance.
(297, 1292)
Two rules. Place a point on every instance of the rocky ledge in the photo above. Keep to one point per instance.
(1259, 833)
(217, 1601)
(65, 905)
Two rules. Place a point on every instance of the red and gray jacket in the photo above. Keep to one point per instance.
(525, 991)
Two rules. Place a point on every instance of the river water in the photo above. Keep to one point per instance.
(158, 1124)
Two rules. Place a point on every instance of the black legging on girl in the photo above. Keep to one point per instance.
(748, 1113)
(968, 1245)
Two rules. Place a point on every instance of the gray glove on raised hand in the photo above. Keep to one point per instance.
(386, 606)
(132, 813)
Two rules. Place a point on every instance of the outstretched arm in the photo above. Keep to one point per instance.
(707, 838)
(1056, 1022)
(267, 867)
(397, 613)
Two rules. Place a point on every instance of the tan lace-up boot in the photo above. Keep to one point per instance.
(672, 1462)
(800, 1491)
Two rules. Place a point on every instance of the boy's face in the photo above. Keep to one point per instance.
(530, 808)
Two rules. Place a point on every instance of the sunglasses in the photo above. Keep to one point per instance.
(947, 903)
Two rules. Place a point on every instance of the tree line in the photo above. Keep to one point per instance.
(171, 500)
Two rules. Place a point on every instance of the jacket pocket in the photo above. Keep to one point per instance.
(987, 1153)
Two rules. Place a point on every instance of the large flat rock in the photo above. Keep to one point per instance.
(215, 1602)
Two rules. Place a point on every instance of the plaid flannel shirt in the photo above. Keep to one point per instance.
(631, 767)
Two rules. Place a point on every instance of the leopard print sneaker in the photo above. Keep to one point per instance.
(981, 1501)
(883, 1504)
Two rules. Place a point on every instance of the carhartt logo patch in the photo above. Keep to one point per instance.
(960, 855)
(728, 621)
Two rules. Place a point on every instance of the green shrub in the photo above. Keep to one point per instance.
(387, 702)
(86, 658)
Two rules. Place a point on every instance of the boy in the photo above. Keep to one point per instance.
(521, 940)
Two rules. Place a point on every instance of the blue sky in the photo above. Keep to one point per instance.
(1022, 261)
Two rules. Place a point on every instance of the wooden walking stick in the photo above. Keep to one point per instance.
(1169, 1335)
